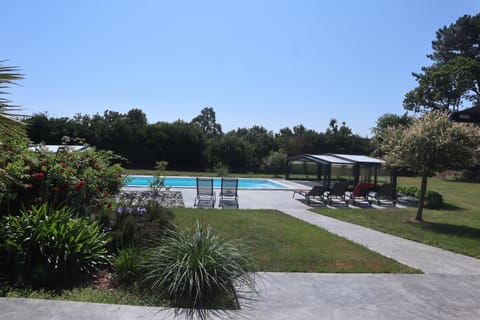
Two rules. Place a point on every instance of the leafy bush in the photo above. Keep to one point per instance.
(126, 265)
(158, 182)
(433, 200)
(409, 191)
(197, 270)
(275, 162)
(83, 180)
(135, 224)
(45, 247)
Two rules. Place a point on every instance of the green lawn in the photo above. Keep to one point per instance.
(455, 228)
(280, 243)
(117, 296)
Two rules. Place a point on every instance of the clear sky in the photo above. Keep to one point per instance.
(272, 63)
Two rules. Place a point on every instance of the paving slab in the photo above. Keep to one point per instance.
(306, 296)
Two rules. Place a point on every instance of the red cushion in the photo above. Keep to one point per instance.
(358, 188)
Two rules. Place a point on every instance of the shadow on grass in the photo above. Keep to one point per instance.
(449, 229)
(450, 207)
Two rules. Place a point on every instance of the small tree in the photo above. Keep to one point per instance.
(430, 144)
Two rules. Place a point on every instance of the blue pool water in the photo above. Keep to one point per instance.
(144, 181)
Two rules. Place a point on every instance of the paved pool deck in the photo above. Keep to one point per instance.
(448, 289)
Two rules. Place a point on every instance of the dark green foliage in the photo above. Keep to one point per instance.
(409, 191)
(136, 224)
(197, 270)
(275, 162)
(126, 265)
(433, 200)
(46, 247)
(196, 145)
(452, 80)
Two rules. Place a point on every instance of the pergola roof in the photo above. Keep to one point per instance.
(332, 158)
(54, 148)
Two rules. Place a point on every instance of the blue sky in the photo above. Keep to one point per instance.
(272, 63)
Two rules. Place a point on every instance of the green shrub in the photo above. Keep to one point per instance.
(275, 162)
(135, 225)
(197, 270)
(126, 265)
(409, 191)
(46, 247)
(433, 200)
(158, 182)
(83, 180)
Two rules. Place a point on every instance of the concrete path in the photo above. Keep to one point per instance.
(426, 258)
(450, 289)
(287, 296)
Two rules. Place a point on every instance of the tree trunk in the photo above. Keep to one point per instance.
(423, 190)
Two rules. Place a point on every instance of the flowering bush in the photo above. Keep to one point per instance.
(85, 180)
(135, 225)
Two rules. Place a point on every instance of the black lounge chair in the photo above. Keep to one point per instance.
(361, 192)
(228, 193)
(337, 191)
(385, 192)
(316, 191)
(205, 194)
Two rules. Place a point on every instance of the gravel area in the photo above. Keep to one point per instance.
(169, 199)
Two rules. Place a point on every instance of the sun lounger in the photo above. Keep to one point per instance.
(315, 192)
(228, 193)
(361, 192)
(385, 192)
(205, 194)
(337, 191)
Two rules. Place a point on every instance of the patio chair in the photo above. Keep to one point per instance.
(386, 192)
(316, 191)
(361, 191)
(205, 194)
(228, 193)
(337, 191)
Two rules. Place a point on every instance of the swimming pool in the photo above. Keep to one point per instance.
(144, 181)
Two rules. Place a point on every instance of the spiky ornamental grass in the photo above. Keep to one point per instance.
(198, 272)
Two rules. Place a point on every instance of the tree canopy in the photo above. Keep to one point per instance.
(453, 79)
(430, 144)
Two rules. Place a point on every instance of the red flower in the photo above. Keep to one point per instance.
(105, 193)
(109, 206)
(79, 185)
(38, 176)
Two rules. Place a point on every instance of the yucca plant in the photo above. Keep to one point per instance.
(46, 247)
(198, 271)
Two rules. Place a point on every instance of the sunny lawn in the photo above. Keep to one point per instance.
(280, 243)
(455, 228)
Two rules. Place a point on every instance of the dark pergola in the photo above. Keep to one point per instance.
(467, 115)
(329, 167)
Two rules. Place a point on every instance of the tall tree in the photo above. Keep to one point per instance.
(207, 121)
(430, 144)
(453, 80)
